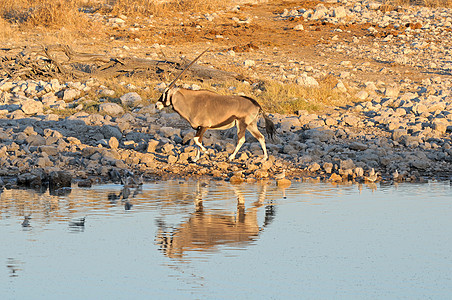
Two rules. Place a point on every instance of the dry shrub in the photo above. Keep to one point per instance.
(47, 13)
(285, 98)
(164, 8)
(290, 97)
(6, 31)
(200, 5)
(136, 7)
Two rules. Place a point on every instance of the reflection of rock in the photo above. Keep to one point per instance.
(26, 222)
(77, 225)
(13, 266)
(59, 180)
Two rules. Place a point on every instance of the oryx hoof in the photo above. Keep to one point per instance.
(195, 159)
(231, 157)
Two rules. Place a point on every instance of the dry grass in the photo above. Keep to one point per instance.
(6, 31)
(289, 98)
(47, 13)
(283, 98)
(275, 97)
(160, 8)
(69, 13)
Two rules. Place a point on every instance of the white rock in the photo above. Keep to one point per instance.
(31, 107)
(299, 27)
(249, 63)
(116, 21)
(339, 12)
(195, 87)
(319, 13)
(362, 95)
(112, 109)
(107, 92)
(6, 86)
(130, 99)
(373, 5)
(341, 87)
(308, 81)
(392, 92)
(70, 94)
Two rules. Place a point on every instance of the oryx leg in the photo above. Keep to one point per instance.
(256, 133)
(241, 130)
(198, 141)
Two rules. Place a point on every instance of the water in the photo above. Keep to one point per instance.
(189, 240)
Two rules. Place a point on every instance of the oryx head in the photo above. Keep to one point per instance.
(165, 98)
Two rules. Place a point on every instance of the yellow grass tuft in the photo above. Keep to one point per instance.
(6, 31)
(45, 13)
(135, 8)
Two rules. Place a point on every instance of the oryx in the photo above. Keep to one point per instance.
(208, 110)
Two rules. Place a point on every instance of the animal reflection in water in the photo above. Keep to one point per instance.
(206, 230)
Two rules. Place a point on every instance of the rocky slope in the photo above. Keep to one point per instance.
(398, 64)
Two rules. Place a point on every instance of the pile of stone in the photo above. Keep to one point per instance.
(403, 136)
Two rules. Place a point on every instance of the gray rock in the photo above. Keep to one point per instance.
(130, 99)
(149, 109)
(36, 140)
(109, 131)
(397, 134)
(112, 109)
(289, 124)
(59, 179)
(347, 164)
(357, 146)
(169, 131)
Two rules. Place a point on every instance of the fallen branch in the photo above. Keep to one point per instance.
(62, 61)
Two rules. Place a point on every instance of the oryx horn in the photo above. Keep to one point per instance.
(188, 66)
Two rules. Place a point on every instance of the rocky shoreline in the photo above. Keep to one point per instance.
(402, 137)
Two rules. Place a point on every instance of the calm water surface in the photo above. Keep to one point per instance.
(191, 240)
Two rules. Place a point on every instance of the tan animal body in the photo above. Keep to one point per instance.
(208, 110)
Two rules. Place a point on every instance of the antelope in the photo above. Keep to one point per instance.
(205, 110)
